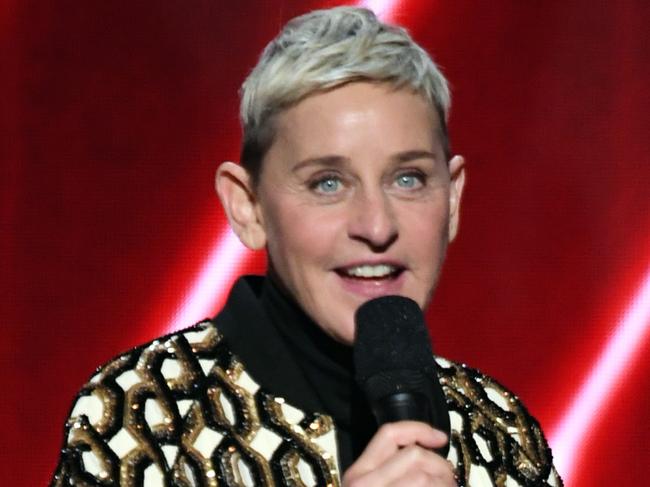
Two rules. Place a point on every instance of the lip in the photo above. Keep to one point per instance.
(373, 288)
(357, 263)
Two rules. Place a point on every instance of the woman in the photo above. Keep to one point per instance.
(348, 182)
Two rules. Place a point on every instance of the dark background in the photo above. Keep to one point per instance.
(114, 116)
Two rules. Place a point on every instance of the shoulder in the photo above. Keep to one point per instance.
(494, 439)
(183, 410)
(134, 401)
(166, 364)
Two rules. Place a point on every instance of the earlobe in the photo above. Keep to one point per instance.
(234, 188)
(457, 183)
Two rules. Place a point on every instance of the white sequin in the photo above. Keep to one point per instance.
(456, 421)
(246, 382)
(513, 431)
(122, 443)
(170, 452)
(207, 441)
(189, 474)
(197, 336)
(553, 478)
(153, 415)
(452, 456)
(265, 442)
(183, 406)
(128, 379)
(443, 362)
(206, 365)
(479, 476)
(91, 463)
(483, 447)
(228, 410)
(497, 398)
(510, 482)
(153, 477)
(328, 443)
(306, 473)
(245, 473)
(91, 406)
(171, 369)
(291, 414)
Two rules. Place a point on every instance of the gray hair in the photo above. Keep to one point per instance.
(324, 49)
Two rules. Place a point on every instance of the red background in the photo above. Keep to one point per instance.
(115, 115)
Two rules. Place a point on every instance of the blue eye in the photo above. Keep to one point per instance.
(408, 181)
(328, 184)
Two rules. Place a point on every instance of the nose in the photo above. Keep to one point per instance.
(372, 220)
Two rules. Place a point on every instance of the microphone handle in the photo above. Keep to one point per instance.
(405, 406)
(402, 406)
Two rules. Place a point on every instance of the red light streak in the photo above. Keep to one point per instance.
(382, 8)
(212, 282)
(592, 397)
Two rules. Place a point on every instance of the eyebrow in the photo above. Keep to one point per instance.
(337, 161)
(412, 155)
(331, 160)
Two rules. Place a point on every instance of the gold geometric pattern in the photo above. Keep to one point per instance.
(494, 441)
(183, 411)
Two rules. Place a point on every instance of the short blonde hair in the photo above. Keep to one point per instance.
(324, 49)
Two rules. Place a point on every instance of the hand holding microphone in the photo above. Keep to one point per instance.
(395, 368)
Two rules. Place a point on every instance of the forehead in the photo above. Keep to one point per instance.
(361, 116)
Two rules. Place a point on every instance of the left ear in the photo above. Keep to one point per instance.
(235, 189)
(457, 183)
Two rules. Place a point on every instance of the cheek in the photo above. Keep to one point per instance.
(300, 235)
(426, 228)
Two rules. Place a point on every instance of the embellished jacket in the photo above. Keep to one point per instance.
(184, 411)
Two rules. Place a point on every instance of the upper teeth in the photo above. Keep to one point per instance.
(370, 270)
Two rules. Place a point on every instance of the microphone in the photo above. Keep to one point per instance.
(394, 364)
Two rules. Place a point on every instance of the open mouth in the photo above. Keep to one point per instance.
(370, 272)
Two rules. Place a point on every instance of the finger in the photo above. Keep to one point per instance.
(422, 479)
(412, 460)
(391, 437)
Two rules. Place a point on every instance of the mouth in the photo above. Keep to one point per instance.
(371, 272)
(368, 281)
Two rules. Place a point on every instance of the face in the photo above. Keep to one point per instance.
(355, 201)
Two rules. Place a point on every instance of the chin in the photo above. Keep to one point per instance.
(347, 339)
(344, 336)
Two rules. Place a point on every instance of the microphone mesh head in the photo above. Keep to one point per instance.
(392, 342)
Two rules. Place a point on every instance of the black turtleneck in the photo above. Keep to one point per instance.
(293, 358)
